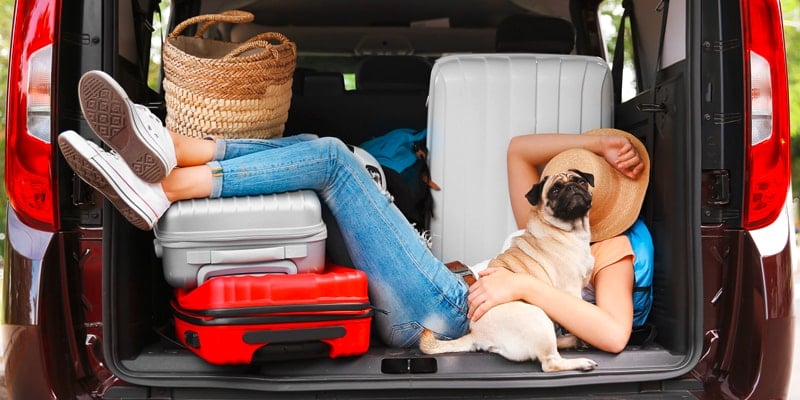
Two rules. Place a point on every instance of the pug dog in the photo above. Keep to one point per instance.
(554, 248)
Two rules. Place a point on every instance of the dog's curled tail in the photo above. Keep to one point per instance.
(428, 343)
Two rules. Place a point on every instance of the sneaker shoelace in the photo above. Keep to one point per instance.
(105, 153)
(143, 111)
(97, 148)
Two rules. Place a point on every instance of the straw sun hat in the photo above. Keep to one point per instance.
(616, 199)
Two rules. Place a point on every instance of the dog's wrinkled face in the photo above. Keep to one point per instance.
(566, 194)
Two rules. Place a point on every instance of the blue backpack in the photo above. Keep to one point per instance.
(642, 244)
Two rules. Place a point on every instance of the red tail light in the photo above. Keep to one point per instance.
(767, 158)
(28, 176)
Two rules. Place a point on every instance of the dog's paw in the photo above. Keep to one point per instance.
(568, 364)
(585, 364)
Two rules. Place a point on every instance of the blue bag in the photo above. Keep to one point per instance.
(642, 244)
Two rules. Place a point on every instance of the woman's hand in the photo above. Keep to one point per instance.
(620, 153)
(496, 286)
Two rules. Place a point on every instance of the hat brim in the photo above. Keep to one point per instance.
(616, 199)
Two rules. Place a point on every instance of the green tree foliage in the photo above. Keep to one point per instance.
(791, 18)
(6, 11)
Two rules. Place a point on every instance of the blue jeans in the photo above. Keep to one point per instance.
(409, 287)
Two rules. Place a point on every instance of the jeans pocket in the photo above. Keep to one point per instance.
(405, 335)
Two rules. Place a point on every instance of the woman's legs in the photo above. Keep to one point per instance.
(409, 287)
(191, 151)
(193, 180)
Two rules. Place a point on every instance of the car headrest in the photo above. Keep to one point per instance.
(535, 34)
(393, 73)
(323, 84)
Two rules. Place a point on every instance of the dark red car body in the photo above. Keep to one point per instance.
(81, 315)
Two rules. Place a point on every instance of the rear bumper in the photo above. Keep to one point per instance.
(25, 370)
(754, 359)
(761, 364)
(21, 335)
(35, 341)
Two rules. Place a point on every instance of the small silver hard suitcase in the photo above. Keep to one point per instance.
(278, 233)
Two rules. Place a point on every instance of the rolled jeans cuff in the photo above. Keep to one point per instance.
(219, 149)
(216, 178)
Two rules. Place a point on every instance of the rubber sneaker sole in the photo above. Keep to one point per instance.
(95, 171)
(108, 110)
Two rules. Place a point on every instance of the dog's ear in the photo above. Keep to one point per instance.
(535, 194)
(585, 175)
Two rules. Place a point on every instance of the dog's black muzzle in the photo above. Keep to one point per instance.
(572, 202)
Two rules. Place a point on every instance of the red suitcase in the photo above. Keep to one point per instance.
(242, 319)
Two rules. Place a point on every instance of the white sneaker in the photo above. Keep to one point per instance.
(128, 128)
(140, 202)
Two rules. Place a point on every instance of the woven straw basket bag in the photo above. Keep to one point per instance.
(225, 89)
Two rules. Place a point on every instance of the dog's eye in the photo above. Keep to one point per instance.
(580, 181)
(556, 187)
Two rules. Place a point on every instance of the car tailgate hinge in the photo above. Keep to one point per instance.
(715, 193)
(717, 187)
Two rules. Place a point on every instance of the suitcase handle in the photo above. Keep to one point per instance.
(232, 256)
(207, 272)
(294, 335)
(290, 351)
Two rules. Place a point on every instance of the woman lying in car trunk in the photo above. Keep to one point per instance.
(410, 288)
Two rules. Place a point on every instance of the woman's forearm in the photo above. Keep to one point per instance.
(537, 149)
(585, 320)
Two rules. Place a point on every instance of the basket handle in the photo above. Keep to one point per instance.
(261, 40)
(270, 36)
(208, 20)
(249, 45)
(273, 36)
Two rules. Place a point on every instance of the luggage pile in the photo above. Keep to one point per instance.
(251, 281)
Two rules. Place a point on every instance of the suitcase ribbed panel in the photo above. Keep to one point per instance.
(276, 233)
(276, 215)
(477, 104)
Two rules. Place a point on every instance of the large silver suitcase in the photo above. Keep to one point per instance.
(277, 233)
(477, 103)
